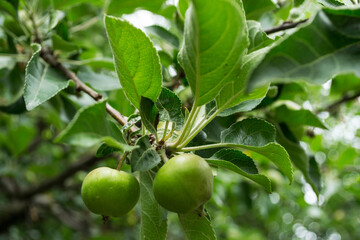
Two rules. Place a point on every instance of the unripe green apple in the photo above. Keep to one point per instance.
(110, 192)
(184, 183)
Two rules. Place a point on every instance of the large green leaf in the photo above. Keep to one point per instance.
(136, 60)
(169, 106)
(215, 40)
(145, 157)
(41, 81)
(258, 136)
(298, 117)
(298, 57)
(153, 217)
(240, 163)
(90, 126)
(197, 226)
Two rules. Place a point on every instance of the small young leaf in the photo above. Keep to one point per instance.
(136, 60)
(197, 226)
(240, 163)
(212, 51)
(153, 217)
(41, 81)
(169, 106)
(258, 38)
(145, 157)
(149, 114)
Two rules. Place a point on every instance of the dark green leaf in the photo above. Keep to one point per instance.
(236, 161)
(41, 81)
(8, 8)
(149, 114)
(169, 106)
(17, 107)
(255, 9)
(197, 226)
(298, 117)
(299, 57)
(153, 217)
(164, 34)
(258, 136)
(63, 45)
(90, 126)
(145, 157)
(136, 60)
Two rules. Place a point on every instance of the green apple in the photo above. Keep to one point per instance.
(184, 183)
(110, 192)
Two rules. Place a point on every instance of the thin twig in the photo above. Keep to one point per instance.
(336, 104)
(284, 26)
(49, 57)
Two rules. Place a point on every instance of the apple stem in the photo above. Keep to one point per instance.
(163, 155)
(123, 157)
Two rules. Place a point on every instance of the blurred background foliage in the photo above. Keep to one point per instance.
(40, 180)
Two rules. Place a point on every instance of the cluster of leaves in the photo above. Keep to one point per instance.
(236, 79)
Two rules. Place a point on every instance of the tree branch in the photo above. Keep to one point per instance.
(336, 104)
(49, 57)
(284, 26)
(85, 162)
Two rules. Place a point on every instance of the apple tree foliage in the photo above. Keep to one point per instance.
(228, 80)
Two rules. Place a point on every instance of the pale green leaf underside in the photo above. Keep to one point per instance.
(197, 226)
(215, 39)
(298, 57)
(153, 217)
(136, 61)
(90, 126)
(41, 81)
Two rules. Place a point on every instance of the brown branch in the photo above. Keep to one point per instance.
(50, 58)
(284, 26)
(84, 163)
(336, 104)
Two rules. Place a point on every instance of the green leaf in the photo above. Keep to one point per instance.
(164, 34)
(99, 81)
(235, 93)
(149, 114)
(90, 126)
(236, 161)
(41, 81)
(255, 9)
(250, 131)
(105, 150)
(299, 57)
(117, 7)
(145, 157)
(63, 45)
(248, 102)
(345, 83)
(8, 8)
(136, 60)
(169, 106)
(197, 226)
(258, 136)
(257, 37)
(16, 107)
(298, 117)
(296, 152)
(314, 173)
(183, 5)
(215, 40)
(153, 217)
